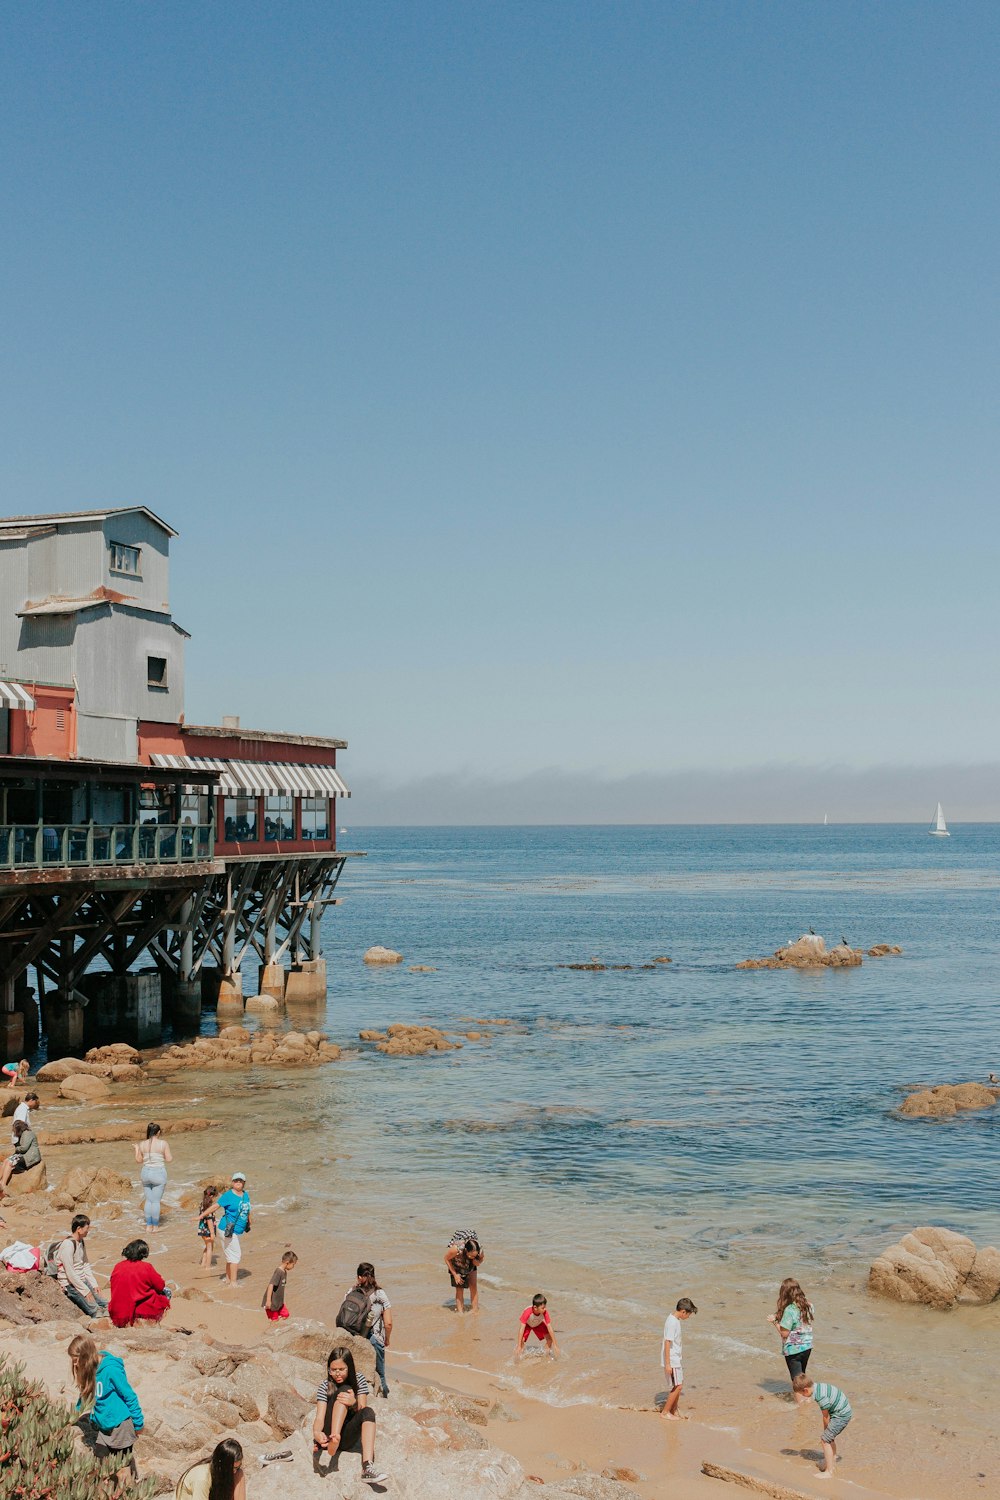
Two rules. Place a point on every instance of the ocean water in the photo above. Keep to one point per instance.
(746, 1103)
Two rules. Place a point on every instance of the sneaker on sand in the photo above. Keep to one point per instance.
(370, 1474)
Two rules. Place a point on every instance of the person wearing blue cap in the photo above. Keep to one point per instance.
(234, 1223)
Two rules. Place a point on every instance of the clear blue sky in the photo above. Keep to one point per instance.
(582, 386)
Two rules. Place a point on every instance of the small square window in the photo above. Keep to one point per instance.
(125, 559)
(156, 671)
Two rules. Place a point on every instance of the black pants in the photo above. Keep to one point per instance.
(797, 1363)
(350, 1433)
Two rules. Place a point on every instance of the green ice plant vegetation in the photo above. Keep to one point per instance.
(40, 1454)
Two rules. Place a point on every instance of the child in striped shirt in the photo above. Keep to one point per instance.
(836, 1411)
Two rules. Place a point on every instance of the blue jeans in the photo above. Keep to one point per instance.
(154, 1179)
(92, 1307)
(379, 1362)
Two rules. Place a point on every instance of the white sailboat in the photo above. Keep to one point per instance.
(940, 829)
(826, 820)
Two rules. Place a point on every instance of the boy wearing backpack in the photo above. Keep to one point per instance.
(365, 1311)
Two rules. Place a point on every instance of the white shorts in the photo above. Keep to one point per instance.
(676, 1376)
(232, 1249)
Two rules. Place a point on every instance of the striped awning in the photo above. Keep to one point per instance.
(13, 695)
(261, 778)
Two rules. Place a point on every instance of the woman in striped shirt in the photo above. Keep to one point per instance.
(343, 1416)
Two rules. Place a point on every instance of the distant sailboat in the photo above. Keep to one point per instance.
(940, 829)
(826, 819)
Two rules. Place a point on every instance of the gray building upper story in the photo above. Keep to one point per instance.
(85, 606)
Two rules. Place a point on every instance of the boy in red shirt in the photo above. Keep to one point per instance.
(535, 1320)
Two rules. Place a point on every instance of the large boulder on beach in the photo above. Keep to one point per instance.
(85, 1185)
(83, 1088)
(808, 952)
(62, 1068)
(947, 1099)
(34, 1180)
(936, 1267)
(380, 955)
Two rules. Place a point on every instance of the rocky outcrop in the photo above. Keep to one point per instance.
(810, 952)
(237, 1047)
(380, 955)
(410, 1041)
(938, 1268)
(82, 1087)
(34, 1180)
(884, 950)
(82, 1186)
(947, 1099)
(90, 1134)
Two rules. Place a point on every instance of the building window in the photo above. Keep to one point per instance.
(279, 817)
(315, 818)
(240, 819)
(156, 671)
(195, 809)
(125, 559)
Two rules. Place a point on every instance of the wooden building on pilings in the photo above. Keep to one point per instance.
(181, 865)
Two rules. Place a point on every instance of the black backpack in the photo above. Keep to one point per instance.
(354, 1310)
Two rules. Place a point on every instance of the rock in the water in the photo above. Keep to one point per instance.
(946, 1099)
(83, 1088)
(263, 1006)
(936, 1267)
(414, 1041)
(66, 1067)
(380, 955)
(884, 950)
(810, 952)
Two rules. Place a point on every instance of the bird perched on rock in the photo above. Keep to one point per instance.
(844, 942)
(812, 932)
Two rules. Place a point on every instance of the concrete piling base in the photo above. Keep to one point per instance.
(306, 981)
(185, 1004)
(272, 981)
(12, 1034)
(123, 1008)
(64, 1025)
(231, 992)
(27, 1006)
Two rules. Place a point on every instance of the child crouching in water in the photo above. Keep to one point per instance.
(535, 1320)
(274, 1297)
(836, 1411)
(206, 1226)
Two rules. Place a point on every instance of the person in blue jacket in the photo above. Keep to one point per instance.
(107, 1399)
(234, 1222)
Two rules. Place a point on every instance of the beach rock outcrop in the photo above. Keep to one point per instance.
(62, 1068)
(414, 1041)
(34, 1180)
(809, 952)
(380, 955)
(884, 950)
(86, 1185)
(936, 1267)
(83, 1088)
(947, 1099)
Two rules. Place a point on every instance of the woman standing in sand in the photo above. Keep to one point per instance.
(153, 1154)
(793, 1320)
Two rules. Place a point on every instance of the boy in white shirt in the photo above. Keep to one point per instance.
(673, 1361)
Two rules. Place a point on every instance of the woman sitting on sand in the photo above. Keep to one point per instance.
(137, 1288)
(793, 1320)
(26, 1154)
(343, 1416)
(219, 1477)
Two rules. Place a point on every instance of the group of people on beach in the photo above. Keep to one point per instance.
(344, 1419)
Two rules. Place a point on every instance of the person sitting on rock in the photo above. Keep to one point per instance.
(219, 1477)
(343, 1416)
(74, 1271)
(25, 1155)
(138, 1291)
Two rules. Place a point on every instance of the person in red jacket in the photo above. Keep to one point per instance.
(137, 1288)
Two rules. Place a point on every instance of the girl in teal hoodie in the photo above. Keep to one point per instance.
(107, 1398)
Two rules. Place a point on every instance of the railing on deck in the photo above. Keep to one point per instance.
(26, 846)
